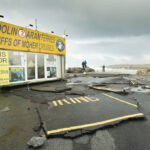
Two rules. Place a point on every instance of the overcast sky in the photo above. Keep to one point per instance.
(100, 31)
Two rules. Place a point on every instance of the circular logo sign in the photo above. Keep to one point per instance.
(60, 45)
(22, 33)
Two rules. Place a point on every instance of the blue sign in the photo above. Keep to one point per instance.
(60, 45)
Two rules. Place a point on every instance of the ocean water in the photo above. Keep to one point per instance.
(122, 70)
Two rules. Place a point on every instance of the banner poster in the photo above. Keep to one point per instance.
(4, 68)
(16, 74)
(18, 38)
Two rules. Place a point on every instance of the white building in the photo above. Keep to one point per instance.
(29, 56)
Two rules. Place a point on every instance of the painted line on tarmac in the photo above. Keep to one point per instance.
(75, 100)
(118, 99)
(94, 124)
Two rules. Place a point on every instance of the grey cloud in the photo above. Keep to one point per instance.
(88, 18)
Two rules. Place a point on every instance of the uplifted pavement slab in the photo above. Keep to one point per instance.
(73, 116)
(50, 89)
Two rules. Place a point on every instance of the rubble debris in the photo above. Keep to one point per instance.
(133, 83)
(36, 141)
(51, 89)
(5, 109)
(144, 72)
(121, 91)
(146, 87)
(116, 80)
(140, 89)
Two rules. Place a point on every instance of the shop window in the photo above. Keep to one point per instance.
(15, 59)
(40, 65)
(16, 66)
(51, 72)
(31, 66)
(51, 66)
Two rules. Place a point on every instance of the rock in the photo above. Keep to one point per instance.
(143, 72)
(79, 70)
(58, 144)
(36, 141)
(74, 70)
(87, 69)
(5, 109)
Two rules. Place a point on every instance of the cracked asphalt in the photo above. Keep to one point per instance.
(18, 124)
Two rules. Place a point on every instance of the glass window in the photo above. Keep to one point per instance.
(16, 66)
(30, 66)
(40, 64)
(51, 60)
(51, 72)
(51, 65)
(15, 59)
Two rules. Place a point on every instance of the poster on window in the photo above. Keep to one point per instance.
(4, 68)
(16, 74)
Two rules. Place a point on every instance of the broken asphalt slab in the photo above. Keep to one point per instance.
(51, 89)
(97, 87)
(71, 117)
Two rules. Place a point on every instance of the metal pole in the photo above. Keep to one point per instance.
(35, 23)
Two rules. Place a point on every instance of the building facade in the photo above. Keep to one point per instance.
(29, 56)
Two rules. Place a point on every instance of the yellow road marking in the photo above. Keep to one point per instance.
(55, 103)
(60, 102)
(66, 101)
(123, 101)
(71, 99)
(93, 100)
(94, 124)
(77, 100)
(83, 99)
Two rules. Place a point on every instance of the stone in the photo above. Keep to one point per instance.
(36, 141)
(102, 140)
(5, 109)
(58, 144)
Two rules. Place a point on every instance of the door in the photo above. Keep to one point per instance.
(30, 66)
(40, 66)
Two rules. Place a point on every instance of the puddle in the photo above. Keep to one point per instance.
(140, 90)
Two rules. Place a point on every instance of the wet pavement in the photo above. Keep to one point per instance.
(17, 123)
(77, 118)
